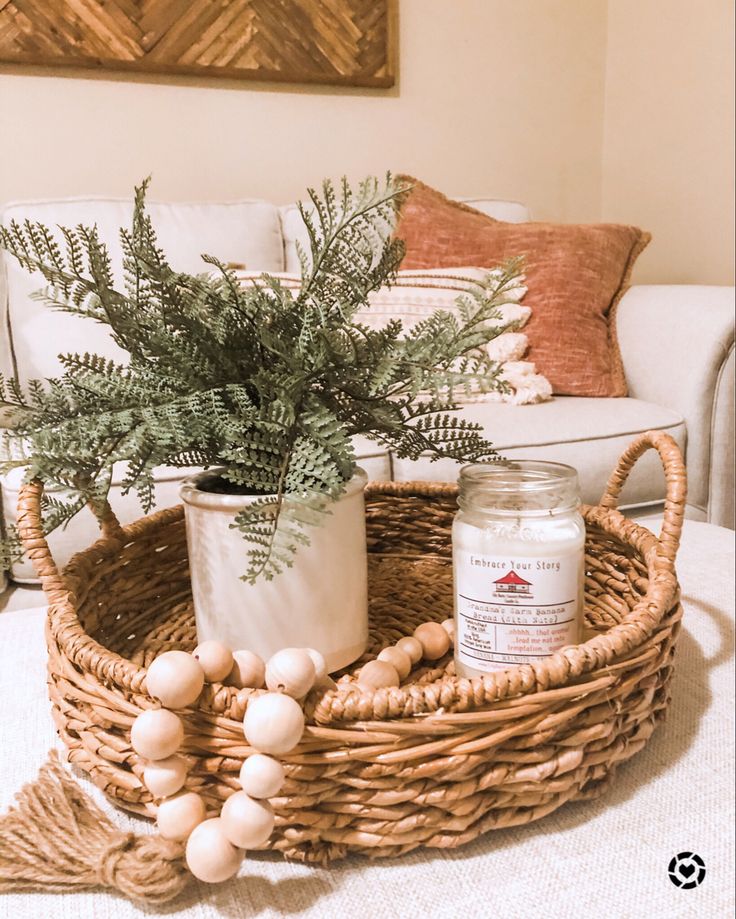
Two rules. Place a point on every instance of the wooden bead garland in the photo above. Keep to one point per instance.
(291, 671)
(320, 666)
(247, 822)
(378, 675)
(209, 855)
(156, 734)
(434, 640)
(261, 776)
(399, 660)
(175, 678)
(411, 646)
(215, 658)
(273, 725)
(248, 670)
(449, 626)
(164, 777)
(178, 816)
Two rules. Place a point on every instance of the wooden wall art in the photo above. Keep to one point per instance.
(349, 42)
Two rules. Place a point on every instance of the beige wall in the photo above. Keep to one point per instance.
(504, 98)
(669, 135)
(496, 97)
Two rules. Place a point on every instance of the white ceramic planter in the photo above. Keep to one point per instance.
(321, 602)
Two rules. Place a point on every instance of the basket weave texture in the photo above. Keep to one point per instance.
(435, 762)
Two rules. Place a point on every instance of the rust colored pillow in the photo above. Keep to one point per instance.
(576, 274)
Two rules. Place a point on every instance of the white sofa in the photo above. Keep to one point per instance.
(677, 345)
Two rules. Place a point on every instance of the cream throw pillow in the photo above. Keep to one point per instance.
(417, 294)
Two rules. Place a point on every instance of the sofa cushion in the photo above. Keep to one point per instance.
(589, 434)
(245, 232)
(575, 274)
(293, 230)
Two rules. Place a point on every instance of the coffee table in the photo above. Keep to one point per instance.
(607, 857)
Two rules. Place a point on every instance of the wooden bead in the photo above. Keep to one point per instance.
(320, 665)
(210, 856)
(261, 776)
(175, 678)
(176, 817)
(248, 671)
(290, 670)
(435, 640)
(246, 822)
(378, 675)
(273, 723)
(449, 626)
(412, 647)
(215, 659)
(156, 734)
(164, 777)
(398, 659)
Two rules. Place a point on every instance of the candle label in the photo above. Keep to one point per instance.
(515, 610)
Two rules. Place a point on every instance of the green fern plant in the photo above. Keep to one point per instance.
(266, 383)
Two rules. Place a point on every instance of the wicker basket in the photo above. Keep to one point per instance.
(435, 762)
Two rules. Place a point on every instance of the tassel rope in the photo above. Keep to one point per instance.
(57, 839)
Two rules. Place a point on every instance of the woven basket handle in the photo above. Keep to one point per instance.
(33, 538)
(676, 486)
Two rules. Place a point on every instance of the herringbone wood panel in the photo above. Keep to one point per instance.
(325, 41)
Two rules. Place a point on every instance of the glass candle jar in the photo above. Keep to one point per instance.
(518, 546)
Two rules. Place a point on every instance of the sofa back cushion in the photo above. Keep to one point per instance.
(294, 231)
(247, 233)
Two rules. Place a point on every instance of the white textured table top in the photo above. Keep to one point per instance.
(605, 858)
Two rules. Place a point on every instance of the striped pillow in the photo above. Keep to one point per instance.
(415, 295)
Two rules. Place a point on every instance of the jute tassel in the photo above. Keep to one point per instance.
(56, 839)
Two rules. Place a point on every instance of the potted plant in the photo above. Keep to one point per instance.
(264, 387)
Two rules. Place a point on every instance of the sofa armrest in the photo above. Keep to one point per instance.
(677, 346)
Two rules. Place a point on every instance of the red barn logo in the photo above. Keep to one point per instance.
(512, 585)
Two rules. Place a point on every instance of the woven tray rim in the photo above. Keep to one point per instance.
(564, 667)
